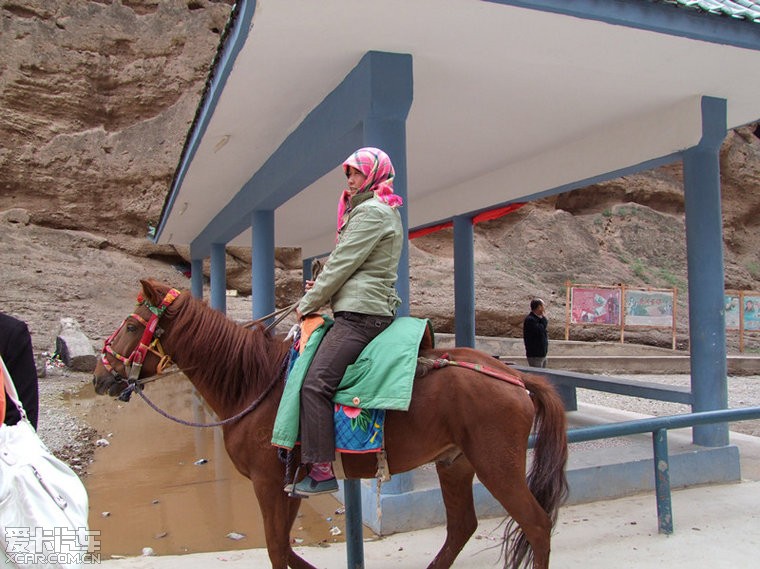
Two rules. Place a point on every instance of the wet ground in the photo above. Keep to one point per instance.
(165, 486)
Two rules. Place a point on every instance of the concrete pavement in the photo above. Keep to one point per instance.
(715, 527)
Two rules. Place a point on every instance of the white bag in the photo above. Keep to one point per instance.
(43, 503)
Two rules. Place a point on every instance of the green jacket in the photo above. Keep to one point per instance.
(381, 378)
(360, 274)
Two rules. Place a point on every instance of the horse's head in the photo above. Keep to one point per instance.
(134, 348)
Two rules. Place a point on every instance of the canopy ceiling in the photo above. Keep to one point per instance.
(511, 101)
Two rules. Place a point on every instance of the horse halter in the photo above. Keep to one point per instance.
(149, 342)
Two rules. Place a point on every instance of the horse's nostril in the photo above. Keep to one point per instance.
(116, 388)
(99, 385)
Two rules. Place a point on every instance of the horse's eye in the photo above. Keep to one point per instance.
(131, 328)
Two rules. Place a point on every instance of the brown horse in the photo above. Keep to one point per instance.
(466, 422)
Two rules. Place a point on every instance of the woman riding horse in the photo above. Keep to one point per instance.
(358, 281)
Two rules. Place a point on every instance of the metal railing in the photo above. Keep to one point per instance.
(659, 426)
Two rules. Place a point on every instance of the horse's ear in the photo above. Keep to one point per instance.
(150, 292)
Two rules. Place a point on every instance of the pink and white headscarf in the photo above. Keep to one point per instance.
(377, 167)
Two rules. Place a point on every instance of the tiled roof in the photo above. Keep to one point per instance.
(740, 9)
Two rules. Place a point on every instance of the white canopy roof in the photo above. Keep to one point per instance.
(512, 100)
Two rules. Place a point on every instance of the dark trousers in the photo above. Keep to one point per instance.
(537, 361)
(340, 347)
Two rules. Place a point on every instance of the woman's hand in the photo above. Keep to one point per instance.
(308, 286)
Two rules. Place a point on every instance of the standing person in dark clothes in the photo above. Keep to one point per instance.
(535, 336)
(16, 351)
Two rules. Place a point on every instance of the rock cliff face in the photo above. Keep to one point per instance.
(97, 97)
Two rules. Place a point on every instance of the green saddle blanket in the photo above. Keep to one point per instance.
(381, 377)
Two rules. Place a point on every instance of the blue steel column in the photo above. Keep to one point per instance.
(218, 294)
(662, 481)
(391, 84)
(704, 251)
(464, 282)
(196, 278)
(262, 263)
(307, 269)
(389, 135)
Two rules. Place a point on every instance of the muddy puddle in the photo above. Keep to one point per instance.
(172, 488)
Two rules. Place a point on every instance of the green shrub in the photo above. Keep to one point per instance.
(638, 268)
(669, 278)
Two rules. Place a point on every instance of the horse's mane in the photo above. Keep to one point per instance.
(237, 363)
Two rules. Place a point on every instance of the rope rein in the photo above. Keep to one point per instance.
(282, 312)
(136, 386)
(148, 343)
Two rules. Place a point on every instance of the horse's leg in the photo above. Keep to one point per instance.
(279, 512)
(505, 480)
(295, 561)
(461, 521)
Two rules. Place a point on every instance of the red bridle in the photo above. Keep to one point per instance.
(149, 341)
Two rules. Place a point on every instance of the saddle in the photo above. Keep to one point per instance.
(370, 386)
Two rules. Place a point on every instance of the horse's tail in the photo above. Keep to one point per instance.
(546, 478)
